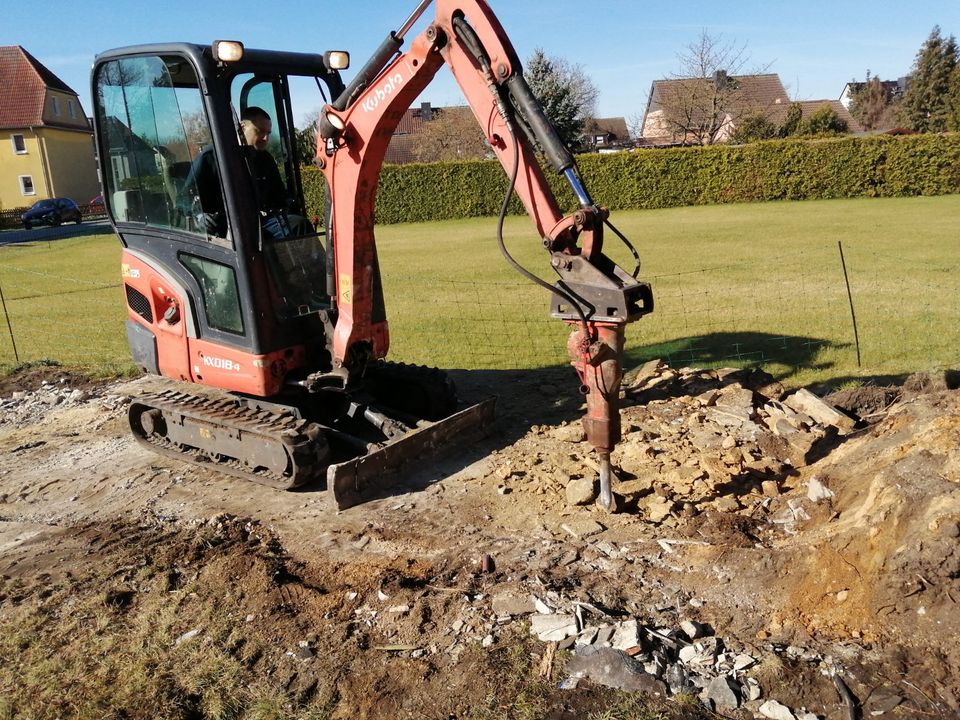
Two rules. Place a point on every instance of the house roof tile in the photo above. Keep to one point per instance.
(616, 126)
(24, 82)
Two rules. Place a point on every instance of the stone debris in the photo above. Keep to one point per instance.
(728, 440)
(817, 491)
(581, 491)
(25, 407)
(627, 654)
(553, 628)
(614, 669)
(775, 711)
(804, 401)
(582, 529)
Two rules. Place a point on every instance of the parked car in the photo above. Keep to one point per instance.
(96, 203)
(51, 212)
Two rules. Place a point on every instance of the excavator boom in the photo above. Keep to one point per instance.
(593, 294)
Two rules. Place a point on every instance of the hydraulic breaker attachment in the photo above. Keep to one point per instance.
(599, 365)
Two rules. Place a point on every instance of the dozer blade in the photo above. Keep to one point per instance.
(353, 479)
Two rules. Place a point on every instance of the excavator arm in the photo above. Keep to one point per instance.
(592, 293)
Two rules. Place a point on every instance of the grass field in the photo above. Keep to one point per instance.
(734, 285)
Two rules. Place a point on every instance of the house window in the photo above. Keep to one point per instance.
(26, 185)
(56, 105)
(19, 145)
(71, 109)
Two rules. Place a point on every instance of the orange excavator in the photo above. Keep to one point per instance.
(231, 288)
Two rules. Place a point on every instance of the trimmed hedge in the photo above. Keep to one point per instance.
(877, 166)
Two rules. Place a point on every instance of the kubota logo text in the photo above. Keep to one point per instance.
(383, 92)
(220, 363)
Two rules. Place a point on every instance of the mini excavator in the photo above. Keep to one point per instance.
(285, 323)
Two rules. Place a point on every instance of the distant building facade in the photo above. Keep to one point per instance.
(46, 142)
(694, 111)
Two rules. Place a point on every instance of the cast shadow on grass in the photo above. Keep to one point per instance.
(781, 355)
(550, 395)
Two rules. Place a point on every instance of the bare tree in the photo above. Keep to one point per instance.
(873, 104)
(698, 104)
(452, 134)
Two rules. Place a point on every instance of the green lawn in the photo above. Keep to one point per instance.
(734, 285)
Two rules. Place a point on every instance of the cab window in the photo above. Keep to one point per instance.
(158, 165)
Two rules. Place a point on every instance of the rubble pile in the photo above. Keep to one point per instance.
(24, 407)
(628, 654)
(726, 440)
(27, 407)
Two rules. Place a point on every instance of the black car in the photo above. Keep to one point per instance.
(51, 212)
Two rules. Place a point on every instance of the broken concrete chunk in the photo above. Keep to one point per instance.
(770, 488)
(804, 401)
(604, 635)
(587, 636)
(633, 488)
(553, 628)
(817, 491)
(626, 635)
(775, 711)
(541, 607)
(695, 630)
(581, 491)
(724, 692)
(572, 433)
(511, 604)
(727, 503)
(656, 508)
(637, 377)
(582, 529)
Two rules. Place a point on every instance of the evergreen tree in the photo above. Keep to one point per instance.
(823, 121)
(954, 102)
(568, 96)
(791, 125)
(926, 102)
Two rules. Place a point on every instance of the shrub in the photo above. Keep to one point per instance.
(877, 166)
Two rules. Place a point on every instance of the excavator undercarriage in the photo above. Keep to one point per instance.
(342, 442)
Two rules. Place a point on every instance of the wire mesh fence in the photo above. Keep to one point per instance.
(791, 313)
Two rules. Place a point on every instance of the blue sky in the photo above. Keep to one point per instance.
(816, 46)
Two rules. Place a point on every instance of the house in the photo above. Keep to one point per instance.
(702, 111)
(605, 134)
(46, 143)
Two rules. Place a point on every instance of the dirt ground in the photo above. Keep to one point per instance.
(136, 586)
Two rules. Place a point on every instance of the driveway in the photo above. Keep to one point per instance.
(69, 230)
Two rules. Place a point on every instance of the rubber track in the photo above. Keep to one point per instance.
(307, 456)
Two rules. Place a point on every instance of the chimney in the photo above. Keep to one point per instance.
(426, 112)
(720, 79)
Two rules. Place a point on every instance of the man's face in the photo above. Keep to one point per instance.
(257, 132)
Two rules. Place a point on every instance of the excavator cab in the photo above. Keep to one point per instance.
(224, 278)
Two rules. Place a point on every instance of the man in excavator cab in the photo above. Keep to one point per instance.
(256, 128)
(294, 334)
